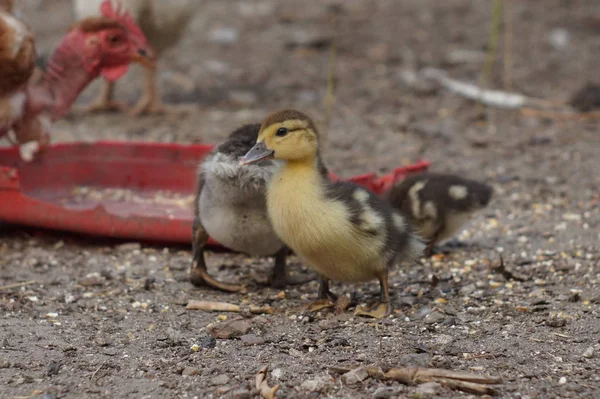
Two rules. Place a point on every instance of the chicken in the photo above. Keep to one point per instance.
(103, 45)
(164, 23)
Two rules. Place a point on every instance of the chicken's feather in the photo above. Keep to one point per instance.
(162, 21)
(17, 54)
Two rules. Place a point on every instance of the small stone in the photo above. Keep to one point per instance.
(101, 339)
(224, 35)
(589, 353)
(443, 340)
(319, 384)
(53, 368)
(231, 329)
(384, 393)
(220, 379)
(295, 352)
(328, 324)
(92, 280)
(467, 289)
(429, 388)
(242, 394)
(415, 359)
(422, 313)
(168, 384)
(559, 38)
(355, 376)
(252, 339)
(208, 342)
(556, 320)
(277, 373)
(4, 364)
(128, 247)
(434, 317)
(260, 320)
(562, 381)
(189, 371)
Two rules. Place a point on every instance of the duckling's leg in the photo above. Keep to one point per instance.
(325, 299)
(429, 249)
(380, 309)
(281, 278)
(198, 274)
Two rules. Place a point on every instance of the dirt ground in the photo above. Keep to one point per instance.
(107, 319)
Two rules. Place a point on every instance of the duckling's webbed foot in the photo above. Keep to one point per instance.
(381, 308)
(281, 278)
(326, 298)
(198, 274)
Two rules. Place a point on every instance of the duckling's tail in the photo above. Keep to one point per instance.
(411, 244)
(414, 248)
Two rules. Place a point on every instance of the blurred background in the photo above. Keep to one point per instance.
(238, 60)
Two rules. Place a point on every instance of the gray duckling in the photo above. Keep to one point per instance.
(230, 206)
(438, 205)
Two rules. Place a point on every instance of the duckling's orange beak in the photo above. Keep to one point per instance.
(257, 153)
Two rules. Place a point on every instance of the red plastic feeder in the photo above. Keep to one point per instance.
(136, 191)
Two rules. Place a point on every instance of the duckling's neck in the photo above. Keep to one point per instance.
(298, 170)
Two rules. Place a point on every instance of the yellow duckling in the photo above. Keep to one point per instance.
(342, 230)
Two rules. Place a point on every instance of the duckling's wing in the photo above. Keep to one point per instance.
(365, 210)
(375, 217)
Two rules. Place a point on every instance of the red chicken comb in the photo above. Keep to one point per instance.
(123, 17)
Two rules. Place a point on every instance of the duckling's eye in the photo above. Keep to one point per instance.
(282, 131)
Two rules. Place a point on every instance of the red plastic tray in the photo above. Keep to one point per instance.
(137, 191)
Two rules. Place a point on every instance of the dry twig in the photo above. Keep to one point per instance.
(466, 382)
(493, 98)
(262, 385)
(507, 274)
(17, 285)
(225, 307)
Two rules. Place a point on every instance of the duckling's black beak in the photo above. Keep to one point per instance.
(256, 153)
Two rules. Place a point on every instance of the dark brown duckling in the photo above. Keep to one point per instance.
(230, 207)
(437, 204)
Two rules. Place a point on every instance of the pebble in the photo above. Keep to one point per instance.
(355, 376)
(328, 324)
(556, 320)
(220, 379)
(231, 329)
(252, 339)
(260, 320)
(208, 342)
(423, 312)
(169, 384)
(224, 35)
(467, 290)
(562, 381)
(559, 38)
(277, 373)
(589, 353)
(429, 388)
(318, 384)
(128, 247)
(190, 371)
(416, 359)
(384, 393)
(434, 317)
(242, 394)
